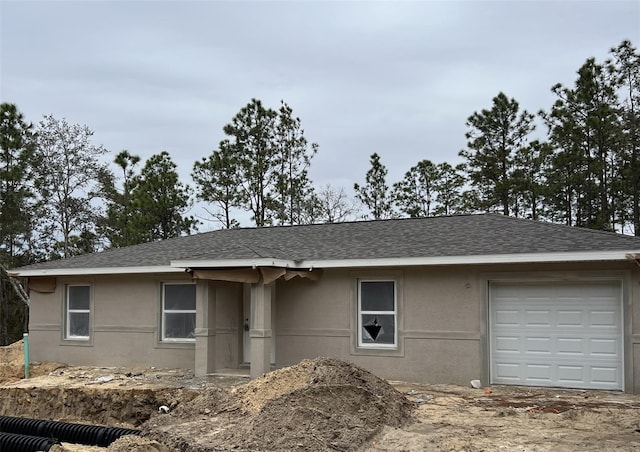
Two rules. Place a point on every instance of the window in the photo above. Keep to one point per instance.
(377, 309)
(78, 312)
(178, 312)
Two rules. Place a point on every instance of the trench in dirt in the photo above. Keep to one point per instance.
(113, 407)
(320, 404)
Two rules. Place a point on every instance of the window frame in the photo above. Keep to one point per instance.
(360, 312)
(163, 312)
(68, 311)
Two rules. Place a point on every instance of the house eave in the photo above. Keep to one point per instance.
(178, 266)
(237, 263)
(95, 271)
(578, 256)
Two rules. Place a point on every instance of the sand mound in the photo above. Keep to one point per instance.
(321, 404)
(136, 444)
(12, 364)
(257, 393)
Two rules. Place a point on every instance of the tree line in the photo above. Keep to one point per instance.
(585, 173)
(59, 198)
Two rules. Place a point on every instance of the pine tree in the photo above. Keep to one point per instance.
(530, 164)
(16, 221)
(251, 140)
(294, 192)
(625, 69)
(494, 137)
(266, 157)
(116, 226)
(584, 125)
(414, 195)
(16, 194)
(375, 193)
(217, 180)
(448, 186)
(160, 201)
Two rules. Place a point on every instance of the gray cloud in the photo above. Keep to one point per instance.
(397, 78)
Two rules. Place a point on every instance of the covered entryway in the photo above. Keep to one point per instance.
(562, 334)
(256, 308)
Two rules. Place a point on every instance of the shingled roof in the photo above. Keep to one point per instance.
(446, 236)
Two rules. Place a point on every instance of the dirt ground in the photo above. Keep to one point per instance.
(317, 405)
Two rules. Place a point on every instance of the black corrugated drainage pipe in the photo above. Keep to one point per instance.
(13, 442)
(91, 435)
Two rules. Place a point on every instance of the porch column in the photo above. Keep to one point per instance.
(261, 329)
(205, 331)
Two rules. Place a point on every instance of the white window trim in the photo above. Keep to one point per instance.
(163, 338)
(369, 346)
(68, 311)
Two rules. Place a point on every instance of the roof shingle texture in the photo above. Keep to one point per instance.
(464, 235)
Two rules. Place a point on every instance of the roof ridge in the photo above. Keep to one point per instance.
(379, 220)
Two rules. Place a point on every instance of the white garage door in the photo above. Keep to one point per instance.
(567, 335)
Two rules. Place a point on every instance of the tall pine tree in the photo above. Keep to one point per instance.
(261, 167)
(117, 225)
(494, 138)
(217, 180)
(16, 220)
(414, 195)
(625, 69)
(294, 192)
(160, 202)
(374, 194)
(584, 126)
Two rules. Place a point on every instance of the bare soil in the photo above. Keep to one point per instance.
(317, 405)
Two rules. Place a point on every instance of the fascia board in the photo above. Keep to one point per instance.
(473, 259)
(578, 256)
(228, 263)
(96, 271)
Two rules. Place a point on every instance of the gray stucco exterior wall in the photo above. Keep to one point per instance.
(442, 320)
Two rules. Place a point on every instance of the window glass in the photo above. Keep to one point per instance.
(377, 295)
(180, 297)
(79, 297)
(78, 324)
(378, 329)
(180, 326)
(78, 312)
(377, 314)
(179, 312)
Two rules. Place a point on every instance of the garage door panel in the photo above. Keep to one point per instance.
(605, 376)
(507, 318)
(571, 375)
(538, 345)
(539, 372)
(567, 319)
(573, 346)
(534, 318)
(604, 319)
(506, 344)
(510, 371)
(557, 335)
(605, 347)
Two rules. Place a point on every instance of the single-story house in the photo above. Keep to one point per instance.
(436, 300)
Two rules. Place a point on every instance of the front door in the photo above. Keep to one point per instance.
(248, 324)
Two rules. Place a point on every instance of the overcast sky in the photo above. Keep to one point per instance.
(396, 78)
